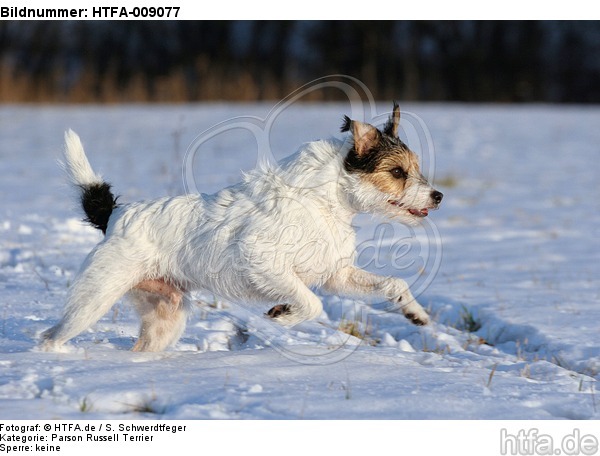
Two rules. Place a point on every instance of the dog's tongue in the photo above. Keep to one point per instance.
(419, 212)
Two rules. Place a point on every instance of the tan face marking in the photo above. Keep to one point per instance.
(383, 176)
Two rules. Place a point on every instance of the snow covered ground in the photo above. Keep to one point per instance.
(508, 268)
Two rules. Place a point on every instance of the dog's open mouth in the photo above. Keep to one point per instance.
(419, 212)
(416, 212)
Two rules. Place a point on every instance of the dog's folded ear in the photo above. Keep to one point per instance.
(391, 126)
(365, 136)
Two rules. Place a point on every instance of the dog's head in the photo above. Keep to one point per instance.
(387, 172)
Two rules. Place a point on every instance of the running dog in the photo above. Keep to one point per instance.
(283, 230)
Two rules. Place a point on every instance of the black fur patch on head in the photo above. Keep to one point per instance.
(346, 125)
(98, 203)
(367, 163)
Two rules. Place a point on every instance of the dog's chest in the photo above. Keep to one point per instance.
(308, 239)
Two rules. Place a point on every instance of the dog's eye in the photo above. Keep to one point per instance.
(398, 173)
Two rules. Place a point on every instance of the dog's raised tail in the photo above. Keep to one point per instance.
(96, 197)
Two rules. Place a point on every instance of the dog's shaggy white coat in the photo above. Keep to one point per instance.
(282, 231)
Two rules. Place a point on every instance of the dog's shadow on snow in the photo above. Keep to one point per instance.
(483, 322)
(22, 334)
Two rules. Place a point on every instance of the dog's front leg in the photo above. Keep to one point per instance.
(357, 282)
(297, 302)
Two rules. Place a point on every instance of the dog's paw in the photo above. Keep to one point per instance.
(414, 312)
(278, 311)
(52, 346)
(419, 320)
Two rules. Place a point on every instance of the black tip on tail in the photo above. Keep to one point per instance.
(98, 203)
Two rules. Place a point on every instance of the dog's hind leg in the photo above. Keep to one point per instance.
(106, 275)
(163, 315)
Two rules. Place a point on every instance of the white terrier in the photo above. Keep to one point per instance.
(270, 238)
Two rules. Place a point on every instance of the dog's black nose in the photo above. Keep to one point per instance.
(437, 196)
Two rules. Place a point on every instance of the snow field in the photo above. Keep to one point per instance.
(514, 296)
